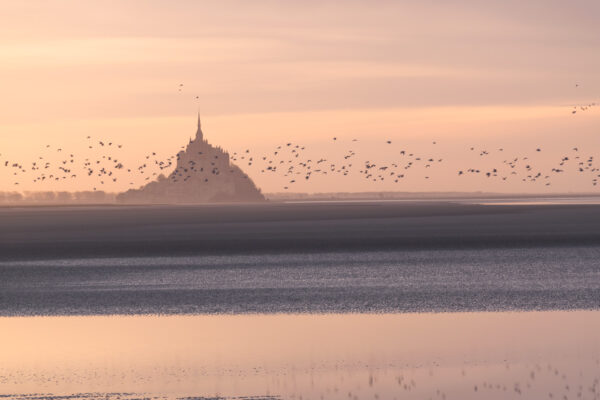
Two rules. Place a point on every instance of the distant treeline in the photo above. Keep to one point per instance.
(100, 197)
(86, 197)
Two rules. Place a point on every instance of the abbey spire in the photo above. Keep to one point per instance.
(199, 134)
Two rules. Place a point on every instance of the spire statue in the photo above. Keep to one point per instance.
(199, 134)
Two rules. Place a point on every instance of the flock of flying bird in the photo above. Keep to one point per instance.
(104, 164)
(292, 162)
(289, 161)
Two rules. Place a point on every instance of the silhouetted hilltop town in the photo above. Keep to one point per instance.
(203, 174)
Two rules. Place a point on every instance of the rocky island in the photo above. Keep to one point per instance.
(203, 174)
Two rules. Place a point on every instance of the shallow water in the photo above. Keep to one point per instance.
(307, 302)
(564, 278)
(360, 356)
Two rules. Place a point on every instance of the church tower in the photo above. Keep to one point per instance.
(199, 134)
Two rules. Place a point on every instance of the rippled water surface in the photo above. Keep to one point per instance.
(556, 278)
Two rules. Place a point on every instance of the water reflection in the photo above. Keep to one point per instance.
(348, 356)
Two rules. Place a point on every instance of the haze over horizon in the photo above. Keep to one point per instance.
(464, 74)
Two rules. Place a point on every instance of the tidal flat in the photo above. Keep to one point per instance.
(493, 355)
(369, 300)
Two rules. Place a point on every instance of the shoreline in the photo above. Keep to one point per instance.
(30, 199)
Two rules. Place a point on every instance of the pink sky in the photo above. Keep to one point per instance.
(488, 74)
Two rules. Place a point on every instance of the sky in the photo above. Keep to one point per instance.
(484, 74)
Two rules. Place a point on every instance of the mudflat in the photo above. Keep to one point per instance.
(126, 231)
(299, 258)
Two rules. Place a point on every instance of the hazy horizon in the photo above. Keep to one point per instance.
(486, 75)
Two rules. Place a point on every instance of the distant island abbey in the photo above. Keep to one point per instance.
(203, 174)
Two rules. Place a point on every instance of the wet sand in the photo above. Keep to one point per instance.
(345, 257)
(360, 356)
(115, 231)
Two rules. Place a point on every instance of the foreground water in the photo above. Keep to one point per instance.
(301, 302)
(533, 355)
(555, 278)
